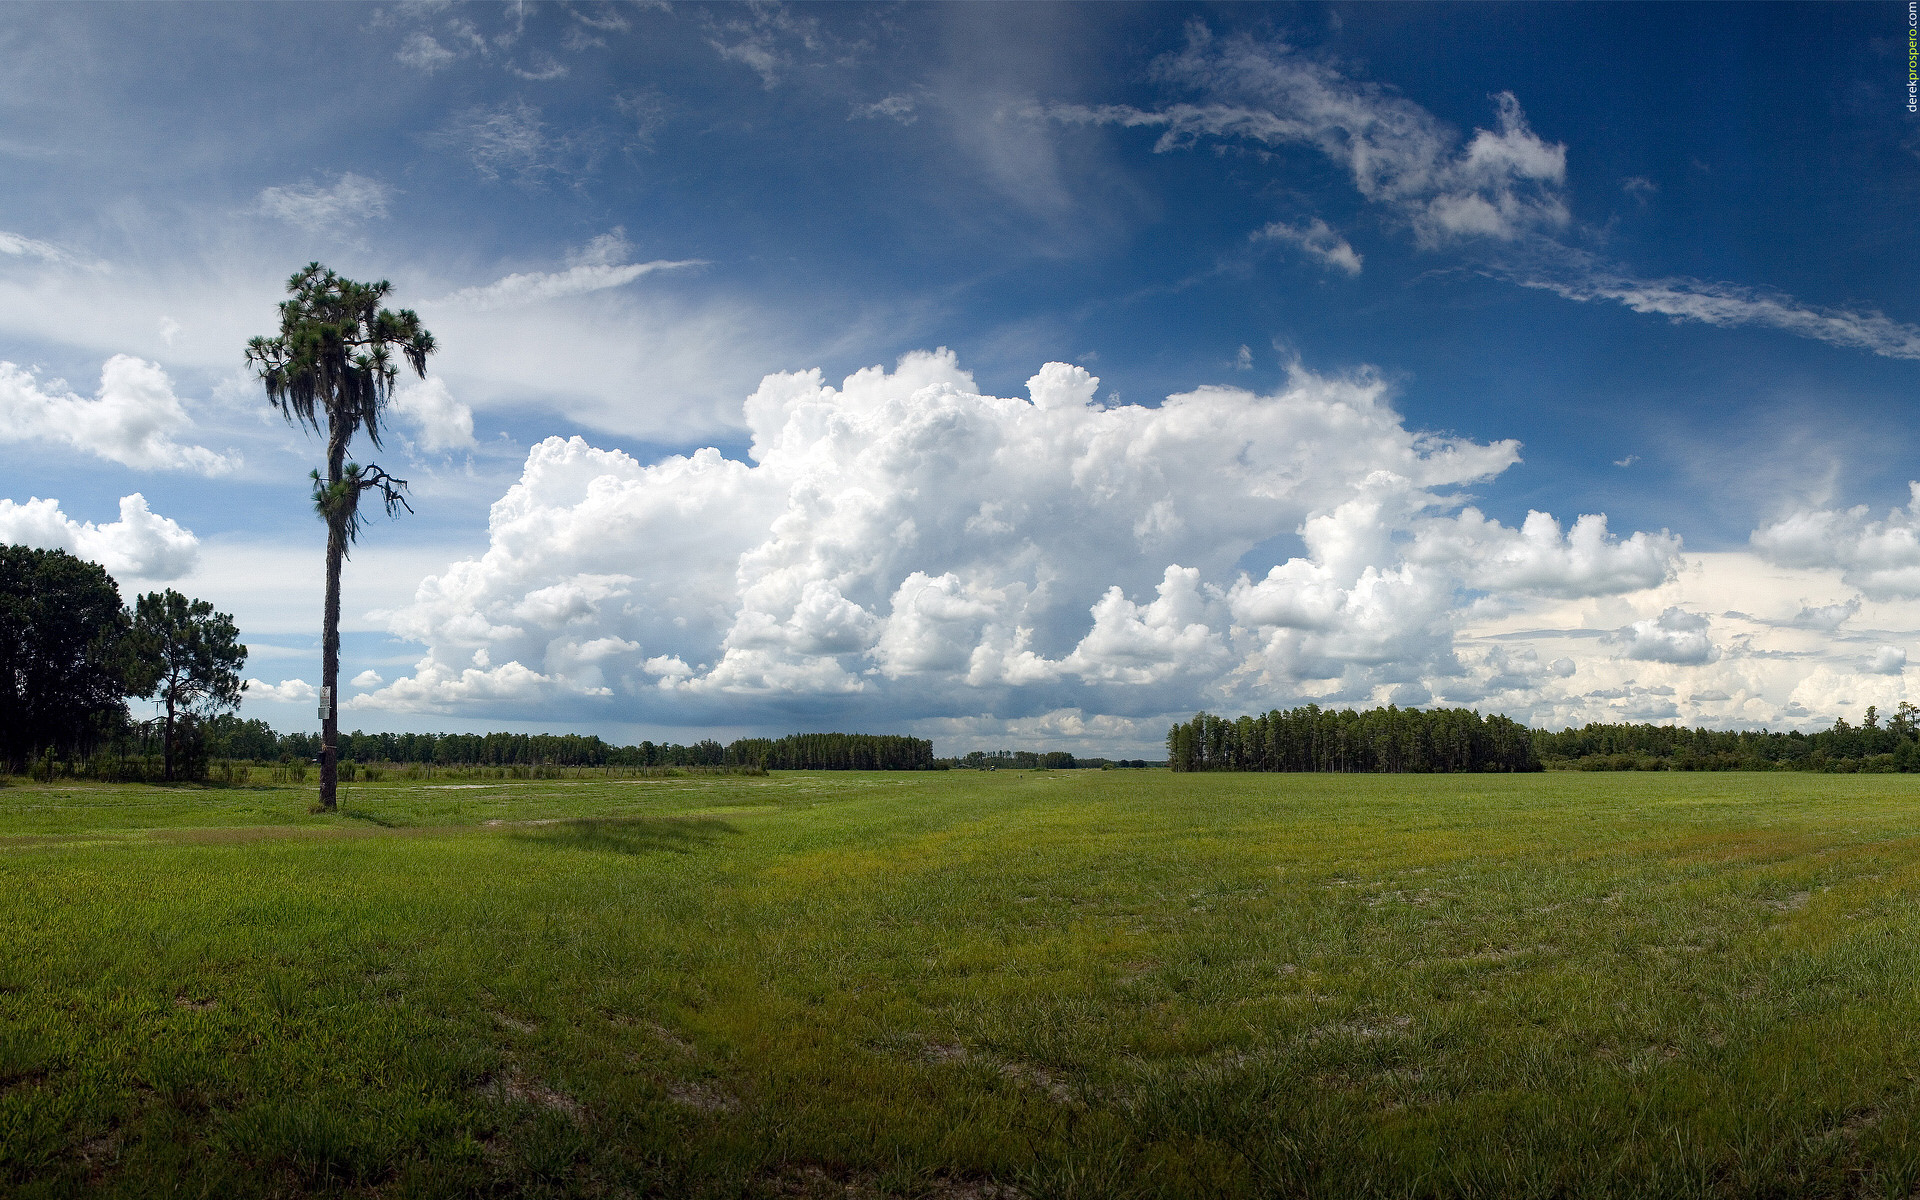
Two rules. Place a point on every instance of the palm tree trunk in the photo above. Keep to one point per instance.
(330, 668)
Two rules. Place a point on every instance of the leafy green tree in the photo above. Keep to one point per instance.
(1903, 721)
(188, 657)
(62, 670)
(331, 369)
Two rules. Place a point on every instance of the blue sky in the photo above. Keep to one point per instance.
(1418, 271)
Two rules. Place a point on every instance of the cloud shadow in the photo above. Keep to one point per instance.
(629, 835)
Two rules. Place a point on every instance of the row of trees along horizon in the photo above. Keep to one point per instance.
(1395, 739)
(1390, 739)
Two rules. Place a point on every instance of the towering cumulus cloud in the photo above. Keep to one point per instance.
(905, 545)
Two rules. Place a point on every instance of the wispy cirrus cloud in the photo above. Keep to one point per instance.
(423, 52)
(540, 67)
(534, 286)
(762, 37)
(1499, 194)
(1499, 184)
(1317, 240)
(599, 265)
(514, 140)
(1728, 305)
(25, 247)
(897, 107)
(348, 200)
(16, 245)
(509, 139)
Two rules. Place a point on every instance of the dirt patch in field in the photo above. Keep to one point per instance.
(515, 1088)
(1027, 1074)
(669, 1038)
(1364, 1030)
(1035, 1076)
(702, 1095)
(506, 1022)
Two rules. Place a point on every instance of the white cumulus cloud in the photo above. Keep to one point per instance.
(286, 691)
(1585, 561)
(433, 687)
(132, 419)
(442, 422)
(1827, 617)
(141, 543)
(1880, 557)
(1887, 660)
(1675, 636)
(908, 546)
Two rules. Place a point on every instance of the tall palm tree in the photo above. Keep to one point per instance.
(332, 369)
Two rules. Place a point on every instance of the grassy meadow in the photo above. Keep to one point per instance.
(1032, 984)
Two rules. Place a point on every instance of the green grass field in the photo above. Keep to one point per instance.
(966, 985)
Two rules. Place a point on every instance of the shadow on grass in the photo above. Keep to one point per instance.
(628, 835)
(367, 814)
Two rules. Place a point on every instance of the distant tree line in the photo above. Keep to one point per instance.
(1038, 760)
(256, 741)
(1390, 739)
(1872, 745)
(835, 752)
